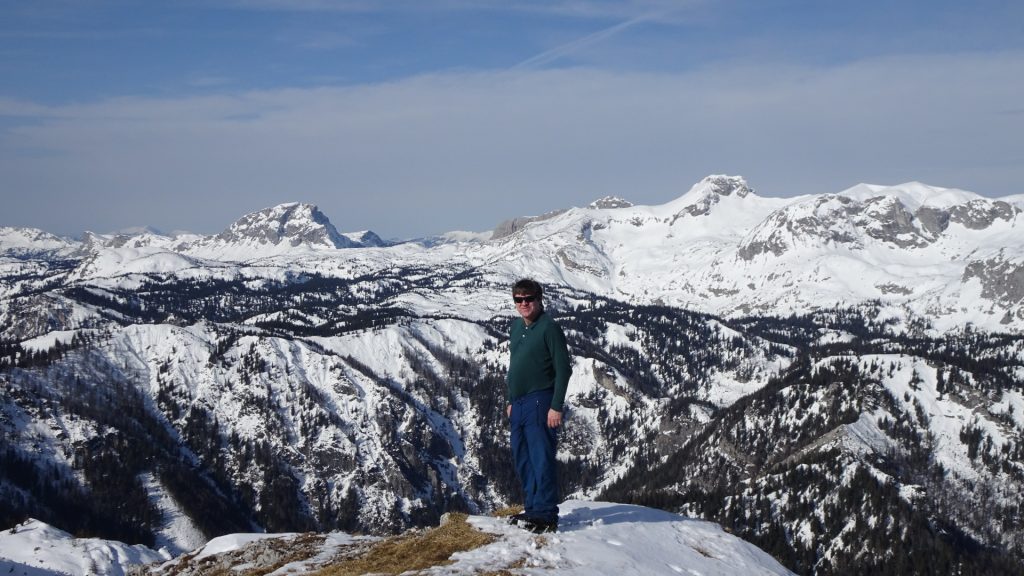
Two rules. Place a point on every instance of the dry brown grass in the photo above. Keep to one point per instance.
(416, 551)
(508, 511)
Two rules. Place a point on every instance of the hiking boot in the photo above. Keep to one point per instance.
(515, 519)
(538, 526)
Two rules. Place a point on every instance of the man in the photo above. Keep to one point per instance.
(538, 375)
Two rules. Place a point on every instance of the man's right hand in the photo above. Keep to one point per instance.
(508, 411)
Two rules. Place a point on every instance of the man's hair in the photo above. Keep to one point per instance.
(528, 286)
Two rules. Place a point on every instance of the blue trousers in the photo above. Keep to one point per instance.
(533, 450)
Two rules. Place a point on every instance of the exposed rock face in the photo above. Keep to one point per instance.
(717, 187)
(839, 219)
(886, 219)
(933, 220)
(728, 185)
(609, 202)
(1001, 280)
(773, 244)
(974, 215)
(509, 227)
(980, 214)
(829, 219)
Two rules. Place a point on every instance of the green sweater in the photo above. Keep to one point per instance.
(539, 360)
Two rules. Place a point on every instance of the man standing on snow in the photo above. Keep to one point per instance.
(538, 375)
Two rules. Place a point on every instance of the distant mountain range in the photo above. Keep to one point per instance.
(948, 256)
(836, 378)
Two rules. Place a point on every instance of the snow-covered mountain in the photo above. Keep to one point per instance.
(736, 358)
(28, 242)
(950, 256)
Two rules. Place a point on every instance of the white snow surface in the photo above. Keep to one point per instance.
(913, 195)
(594, 539)
(603, 538)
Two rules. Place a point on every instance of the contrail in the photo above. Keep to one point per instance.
(553, 54)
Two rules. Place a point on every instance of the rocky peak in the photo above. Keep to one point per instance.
(710, 191)
(293, 224)
(366, 238)
(723, 185)
(609, 202)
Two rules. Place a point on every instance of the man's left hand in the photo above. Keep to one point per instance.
(554, 418)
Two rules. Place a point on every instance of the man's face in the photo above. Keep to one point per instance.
(528, 305)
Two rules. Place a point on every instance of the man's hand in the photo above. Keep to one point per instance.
(554, 418)
(508, 411)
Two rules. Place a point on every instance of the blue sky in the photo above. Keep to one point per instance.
(413, 118)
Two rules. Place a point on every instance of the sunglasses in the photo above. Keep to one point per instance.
(521, 299)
